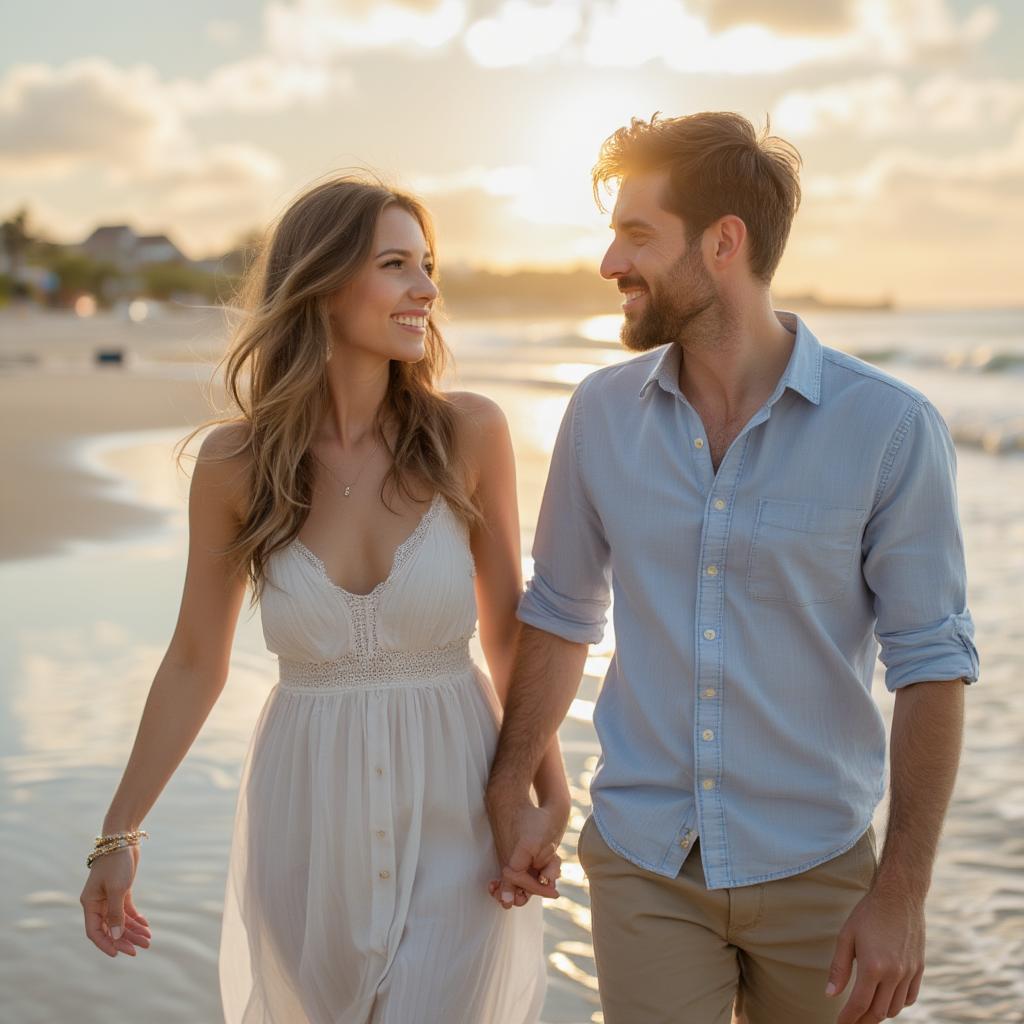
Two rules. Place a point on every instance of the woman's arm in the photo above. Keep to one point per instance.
(188, 681)
(499, 580)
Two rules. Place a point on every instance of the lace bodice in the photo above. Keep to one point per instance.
(426, 604)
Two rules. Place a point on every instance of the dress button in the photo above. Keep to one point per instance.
(698, 442)
(719, 504)
(381, 834)
(712, 570)
(380, 771)
(709, 693)
(708, 783)
(707, 734)
(385, 875)
(709, 634)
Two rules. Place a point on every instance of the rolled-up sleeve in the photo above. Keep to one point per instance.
(569, 592)
(914, 558)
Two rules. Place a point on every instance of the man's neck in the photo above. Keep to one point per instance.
(733, 369)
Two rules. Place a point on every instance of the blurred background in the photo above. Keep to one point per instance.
(144, 148)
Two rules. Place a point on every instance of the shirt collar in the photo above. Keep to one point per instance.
(802, 373)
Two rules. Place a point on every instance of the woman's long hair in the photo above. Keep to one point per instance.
(275, 371)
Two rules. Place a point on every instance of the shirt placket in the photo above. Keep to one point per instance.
(709, 677)
(709, 645)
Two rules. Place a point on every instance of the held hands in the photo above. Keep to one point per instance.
(112, 922)
(885, 935)
(526, 839)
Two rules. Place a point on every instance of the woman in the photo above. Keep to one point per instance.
(374, 517)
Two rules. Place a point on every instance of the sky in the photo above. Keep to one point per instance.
(203, 120)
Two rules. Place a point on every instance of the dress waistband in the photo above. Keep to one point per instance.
(385, 668)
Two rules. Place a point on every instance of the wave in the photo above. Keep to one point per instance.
(982, 359)
(1004, 437)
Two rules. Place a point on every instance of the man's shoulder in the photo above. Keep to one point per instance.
(845, 373)
(623, 377)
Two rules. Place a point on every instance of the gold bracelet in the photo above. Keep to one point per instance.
(114, 842)
(132, 834)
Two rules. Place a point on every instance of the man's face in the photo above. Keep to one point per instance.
(664, 282)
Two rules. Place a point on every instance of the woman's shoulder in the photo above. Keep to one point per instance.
(225, 461)
(227, 442)
(476, 412)
(482, 435)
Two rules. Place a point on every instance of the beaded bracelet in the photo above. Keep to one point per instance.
(113, 842)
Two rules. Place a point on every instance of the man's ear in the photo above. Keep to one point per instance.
(727, 237)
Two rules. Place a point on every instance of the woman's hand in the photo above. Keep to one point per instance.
(111, 921)
(533, 865)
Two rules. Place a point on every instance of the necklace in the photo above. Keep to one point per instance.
(366, 462)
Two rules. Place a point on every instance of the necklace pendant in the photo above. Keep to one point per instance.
(348, 490)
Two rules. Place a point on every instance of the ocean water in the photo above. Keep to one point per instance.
(83, 630)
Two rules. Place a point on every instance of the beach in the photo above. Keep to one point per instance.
(92, 553)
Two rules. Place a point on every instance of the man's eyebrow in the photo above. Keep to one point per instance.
(633, 224)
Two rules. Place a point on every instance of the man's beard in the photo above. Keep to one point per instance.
(674, 308)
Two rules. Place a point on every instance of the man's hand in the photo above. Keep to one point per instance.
(885, 935)
(526, 839)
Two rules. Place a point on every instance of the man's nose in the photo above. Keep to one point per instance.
(614, 264)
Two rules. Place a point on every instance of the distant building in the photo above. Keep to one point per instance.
(120, 245)
(157, 249)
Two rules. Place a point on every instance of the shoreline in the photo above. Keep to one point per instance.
(55, 495)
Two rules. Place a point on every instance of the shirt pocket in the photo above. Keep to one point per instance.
(803, 553)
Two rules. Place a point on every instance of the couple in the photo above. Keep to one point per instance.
(768, 512)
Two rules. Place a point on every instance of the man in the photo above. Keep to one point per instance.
(767, 512)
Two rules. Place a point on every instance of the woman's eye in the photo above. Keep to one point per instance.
(429, 270)
(393, 263)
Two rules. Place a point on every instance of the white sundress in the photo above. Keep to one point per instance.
(357, 885)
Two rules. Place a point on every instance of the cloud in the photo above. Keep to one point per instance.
(739, 37)
(128, 125)
(54, 119)
(215, 195)
(919, 227)
(319, 30)
(521, 32)
(794, 17)
(261, 84)
(885, 106)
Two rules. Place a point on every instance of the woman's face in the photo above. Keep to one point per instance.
(383, 310)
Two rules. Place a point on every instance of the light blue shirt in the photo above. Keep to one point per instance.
(750, 604)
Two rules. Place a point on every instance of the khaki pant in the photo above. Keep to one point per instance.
(671, 951)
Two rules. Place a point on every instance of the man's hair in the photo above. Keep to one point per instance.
(718, 164)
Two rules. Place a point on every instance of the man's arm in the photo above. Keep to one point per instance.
(545, 677)
(885, 934)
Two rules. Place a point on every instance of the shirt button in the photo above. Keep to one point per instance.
(698, 442)
(707, 734)
(709, 693)
(719, 504)
(712, 570)
(708, 783)
(685, 843)
(385, 875)
(709, 634)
